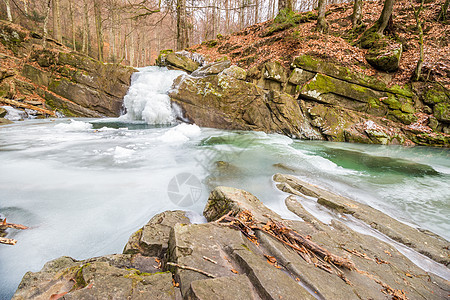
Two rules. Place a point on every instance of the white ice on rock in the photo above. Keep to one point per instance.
(147, 98)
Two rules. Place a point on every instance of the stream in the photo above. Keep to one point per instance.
(83, 186)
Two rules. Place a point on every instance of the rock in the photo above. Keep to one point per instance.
(3, 112)
(153, 238)
(236, 72)
(224, 199)
(180, 62)
(385, 56)
(275, 71)
(300, 76)
(219, 288)
(442, 112)
(98, 278)
(423, 242)
(4, 121)
(224, 102)
(211, 69)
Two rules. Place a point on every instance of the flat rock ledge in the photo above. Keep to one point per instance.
(170, 258)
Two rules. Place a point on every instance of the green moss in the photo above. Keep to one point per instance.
(404, 117)
(392, 102)
(407, 108)
(434, 95)
(404, 91)
(374, 103)
(442, 112)
(80, 282)
(210, 43)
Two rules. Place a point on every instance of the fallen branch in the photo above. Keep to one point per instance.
(191, 269)
(5, 225)
(7, 241)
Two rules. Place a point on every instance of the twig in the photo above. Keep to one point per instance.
(12, 225)
(223, 217)
(191, 269)
(7, 241)
(210, 260)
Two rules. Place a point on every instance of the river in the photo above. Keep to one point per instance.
(83, 186)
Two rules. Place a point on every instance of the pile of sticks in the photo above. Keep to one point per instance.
(307, 249)
(3, 226)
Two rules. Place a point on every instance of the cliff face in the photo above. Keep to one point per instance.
(55, 79)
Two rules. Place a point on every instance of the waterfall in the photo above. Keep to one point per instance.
(147, 99)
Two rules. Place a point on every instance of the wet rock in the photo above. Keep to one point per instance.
(423, 242)
(4, 121)
(225, 199)
(224, 102)
(3, 112)
(153, 238)
(219, 288)
(211, 69)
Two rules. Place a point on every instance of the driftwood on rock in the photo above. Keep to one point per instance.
(7, 241)
(307, 249)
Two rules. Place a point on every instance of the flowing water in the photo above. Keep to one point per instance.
(84, 186)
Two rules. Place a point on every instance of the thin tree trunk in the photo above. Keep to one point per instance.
(182, 32)
(57, 21)
(47, 14)
(25, 6)
(85, 47)
(256, 11)
(284, 5)
(98, 28)
(357, 13)
(322, 24)
(443, 13)
(385, 16)
(8, 10)
(227, 17)
(72, 23)
(418, 70)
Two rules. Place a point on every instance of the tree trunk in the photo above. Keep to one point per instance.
(72, 23)
(227, 18)
(8, 10)
(443, 13)
(418, 70)
(98, 28)
(85, 47)
(256, 11)
(357, 13)
(322, 24)
(285, 5)
(25, 6)
(57, 21)
(385, 16)
(47, 14)
(182, 31)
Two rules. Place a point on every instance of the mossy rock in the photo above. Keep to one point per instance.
(274, 71)
(385, 57)
(162, 56)
(405, 118)
(435, 95)
(181, 62)
(210, 43)
(441, 112)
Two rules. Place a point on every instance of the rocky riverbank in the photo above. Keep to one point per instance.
(313, 99)
(56, 81)
(250, 248)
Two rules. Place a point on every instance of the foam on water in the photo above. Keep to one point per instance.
(147, 98)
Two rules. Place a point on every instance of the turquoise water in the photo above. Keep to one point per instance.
(83, 186)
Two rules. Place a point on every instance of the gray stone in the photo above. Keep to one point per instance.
(211, 69)
(275, 71)
(153, 238)
(236, 72)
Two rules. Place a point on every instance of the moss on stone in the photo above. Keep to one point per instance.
(442, 112)
(435, 95)
(405, 118)
(392, 102)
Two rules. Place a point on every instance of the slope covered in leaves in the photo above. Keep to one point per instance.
(288, 36)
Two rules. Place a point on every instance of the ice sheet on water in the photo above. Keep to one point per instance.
(74, 126)
(180, 133)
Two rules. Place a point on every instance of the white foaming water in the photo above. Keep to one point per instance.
(14, 114)
(147, 98)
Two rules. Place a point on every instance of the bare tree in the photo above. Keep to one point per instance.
(57, 21)
(357, 13)
(98, 28)
(86, 35)
(386, 14)
(418, 70)
(8, 10)
(285, 5)
(72, 23)
(322, 24)
(182, 30)
(47, 14)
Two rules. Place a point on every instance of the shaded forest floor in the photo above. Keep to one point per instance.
(286, 37)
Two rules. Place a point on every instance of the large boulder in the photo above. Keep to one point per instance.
(385, 56)
(222, 101)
